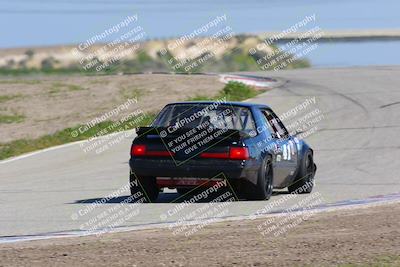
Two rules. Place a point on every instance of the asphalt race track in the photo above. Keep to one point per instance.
(357, 149)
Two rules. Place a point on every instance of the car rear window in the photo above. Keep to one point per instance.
(194, 115)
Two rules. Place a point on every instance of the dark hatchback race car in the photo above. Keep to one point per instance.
(196, 144)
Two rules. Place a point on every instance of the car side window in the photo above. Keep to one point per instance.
(274, 124)
(247, 120)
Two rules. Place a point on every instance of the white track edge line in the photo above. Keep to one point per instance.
(70, 234)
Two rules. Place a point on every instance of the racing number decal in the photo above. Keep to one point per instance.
(288, 150)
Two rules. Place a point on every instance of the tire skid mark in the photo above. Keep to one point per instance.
(391, 104)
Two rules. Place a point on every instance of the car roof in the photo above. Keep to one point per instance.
(231, 103)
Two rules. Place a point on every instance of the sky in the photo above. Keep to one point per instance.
(27, 23)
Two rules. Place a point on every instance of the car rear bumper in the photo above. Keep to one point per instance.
(202, 168)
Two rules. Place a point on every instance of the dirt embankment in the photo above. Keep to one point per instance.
(64, 56)
(32, 107)
(361, 237)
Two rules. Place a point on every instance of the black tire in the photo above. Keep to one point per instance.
(304, 181)
(264, 187)
(146, 185)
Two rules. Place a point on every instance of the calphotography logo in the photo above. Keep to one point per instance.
(199, 133)
(299, 42)
(197, 129)
(191, 52)
(99, 221)
(95, 55)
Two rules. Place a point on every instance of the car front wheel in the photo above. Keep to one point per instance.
(304, 182)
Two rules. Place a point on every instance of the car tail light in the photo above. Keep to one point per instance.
(240, 153)
(236, 153)
(138, 150)
(141, 150)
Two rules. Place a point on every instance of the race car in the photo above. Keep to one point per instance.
(193, 145)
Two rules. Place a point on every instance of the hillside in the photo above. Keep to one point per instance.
(228, 53)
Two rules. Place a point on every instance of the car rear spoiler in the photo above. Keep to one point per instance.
(233, 134)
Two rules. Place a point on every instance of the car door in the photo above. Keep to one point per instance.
(286, 153)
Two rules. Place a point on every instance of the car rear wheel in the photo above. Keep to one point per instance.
(304, 182)
(145, 185)
(264, 187)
